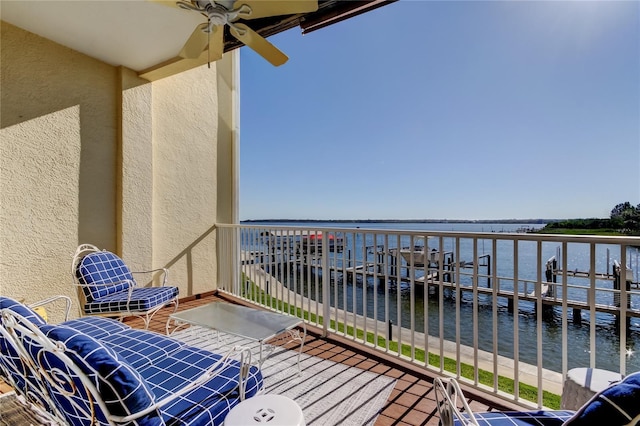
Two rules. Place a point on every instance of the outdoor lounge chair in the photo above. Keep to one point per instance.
(94, 371)
(615, 405)
(109, 289)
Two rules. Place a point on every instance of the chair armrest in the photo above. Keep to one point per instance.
(448, 398)
(245, 363)
(165, 274)
(54, 299)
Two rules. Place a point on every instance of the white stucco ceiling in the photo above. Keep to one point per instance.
(137, 34)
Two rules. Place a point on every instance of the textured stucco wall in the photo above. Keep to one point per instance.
(93, 154)
(185, 110)
(40, 77)
(136, 172)
(58, 132)
(39, 163)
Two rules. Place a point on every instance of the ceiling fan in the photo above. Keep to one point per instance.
(227, 12)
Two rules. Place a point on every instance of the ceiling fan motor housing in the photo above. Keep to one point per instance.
(216, 13)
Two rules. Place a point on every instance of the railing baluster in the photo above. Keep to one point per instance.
(494, 309)
(592, 304)
(425, 302)
(565, 313)
(364, 285)
(326, 315)
(623, 309)
(398, 264)
(412, 298)
(458, 284)
(516, 326)
(387, 315)
(354, 298)
(476, 302)
(375, 288)
(539, 263)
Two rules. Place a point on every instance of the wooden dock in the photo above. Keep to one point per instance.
(395, 272)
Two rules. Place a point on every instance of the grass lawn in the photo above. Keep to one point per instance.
(505, 384)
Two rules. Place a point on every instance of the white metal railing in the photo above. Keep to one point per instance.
(527, 307)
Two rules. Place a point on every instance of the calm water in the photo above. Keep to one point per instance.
(425, 309)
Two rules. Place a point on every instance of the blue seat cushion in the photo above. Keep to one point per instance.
(616, 405)
(207, 404)
(523, 418)
(97, 327)
(120, 386)
(141, 348)
(102, 273)
(142, 299)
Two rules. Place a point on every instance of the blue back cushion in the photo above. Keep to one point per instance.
(21, 309)
(103, 273)
(616, 405)
(119, 385)
(20, 374)
(5, 348)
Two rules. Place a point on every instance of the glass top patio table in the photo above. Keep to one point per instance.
(242, 321)
(239, 320)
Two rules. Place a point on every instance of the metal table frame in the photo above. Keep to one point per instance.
(254, 324)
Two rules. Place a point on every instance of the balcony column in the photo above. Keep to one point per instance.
(134, 236)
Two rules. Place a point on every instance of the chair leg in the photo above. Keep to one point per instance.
(175, 309)
(147, 319)
(448, 396)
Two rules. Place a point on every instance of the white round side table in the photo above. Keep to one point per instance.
(270, 410)
(582, 383)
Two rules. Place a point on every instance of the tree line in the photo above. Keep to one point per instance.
(624, 218)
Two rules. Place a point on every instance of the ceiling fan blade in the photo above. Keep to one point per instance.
(258, 43)
(196, 43)
(216, 43)
(263, 8)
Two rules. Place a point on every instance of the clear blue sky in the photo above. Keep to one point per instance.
(447, 110)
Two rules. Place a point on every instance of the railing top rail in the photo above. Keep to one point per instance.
(598, 239)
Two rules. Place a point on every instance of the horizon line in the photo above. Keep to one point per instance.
(537, 221)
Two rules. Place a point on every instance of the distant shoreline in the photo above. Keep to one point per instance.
(518, 221)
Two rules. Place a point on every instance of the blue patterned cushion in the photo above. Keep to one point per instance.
(141, 348)
(11, 365)
(120, 386)
(19, 373)
(102, 273)
(97, 327)
(142, 299)
(523, 418)
(21, 309)
(207, 404)
(616, 405)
